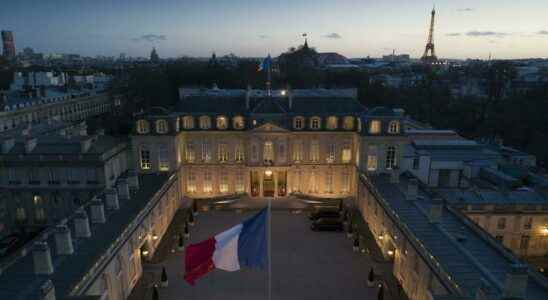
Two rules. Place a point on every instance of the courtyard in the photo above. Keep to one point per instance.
(305, 264)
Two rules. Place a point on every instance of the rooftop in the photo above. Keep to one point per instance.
(18, 281)
(466, 262)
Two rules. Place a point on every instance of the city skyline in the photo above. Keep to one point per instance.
(355, 29)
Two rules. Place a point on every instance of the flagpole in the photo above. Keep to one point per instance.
(269, 249)
(268, 82)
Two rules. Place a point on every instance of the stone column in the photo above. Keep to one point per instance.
(63, 240)
(81, 224)
(41, 257)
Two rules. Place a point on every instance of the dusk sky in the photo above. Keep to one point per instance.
(464, 29)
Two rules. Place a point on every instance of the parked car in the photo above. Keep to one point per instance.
(327, 224)
(324, 213)
(6, 244)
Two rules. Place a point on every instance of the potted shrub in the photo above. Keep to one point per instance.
(163, 281)
(180, 242)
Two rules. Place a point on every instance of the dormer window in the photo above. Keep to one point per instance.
(238, 122)
(188, 122)
(298, 123)
(394, 127)
(143, 126)
(348, 123)
(332, 123)
(161, 126)
(222, 122)
(205, 122)
(375, 127)
(315, 123)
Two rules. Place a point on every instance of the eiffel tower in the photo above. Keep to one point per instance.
(429, 55)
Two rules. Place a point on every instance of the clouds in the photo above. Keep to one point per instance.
(264, 36)
(332, 35)
(453, 34)
(476, 33)
(543, 32)
(466, 9)
(151, 38)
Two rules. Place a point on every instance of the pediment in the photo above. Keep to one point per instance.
(269, 127)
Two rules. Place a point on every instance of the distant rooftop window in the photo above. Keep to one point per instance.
(375, 127)
(222, 122)
(238, 122)
(332, 122)
(298, 123)
(315, 122)
(205, 122)
(143, 127)
(394, 127)
(161, 126)
(348, 123)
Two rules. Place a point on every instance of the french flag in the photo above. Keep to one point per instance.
(244, 245)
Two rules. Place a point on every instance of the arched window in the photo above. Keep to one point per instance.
(375, 127)
(315, 123)
(298, 123)
(188, 122)
(348, 123)
(161, 126)
(205, 122)
(143, 126)
(238, 122)
(394, 127)
(332, 123)
(222, 122)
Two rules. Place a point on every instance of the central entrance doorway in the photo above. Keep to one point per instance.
(268, 184)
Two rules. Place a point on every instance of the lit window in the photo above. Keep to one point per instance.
(222, 152)
(188, 122)
(331, 153)
(223, 184)
(268, 152)
(313, 182)
(145, 159)
(161, 126)
(372, 158)
(222, 122)
(348, 123)
(281, 152)
(346, 153)
(240, 187)
(191, 182)
(206, 151)
(390, 157)
(238, 123)
(315, 123)
(345, 182)
(298, 123)
(190, 152)
(332, 123)
(375, 127)
(298, 151)
(163, 159)
(254, 152)
(394, 127)
(20, 214)
(205, 122)
(528, 223)
(329, 182)
(297, 186)
(315, 151)
(208, 182)
(239, 153)
(142, 127)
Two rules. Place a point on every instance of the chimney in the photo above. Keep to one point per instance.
(30, 144)
(97, 211)
(63, 240)
(436, 209)
(412, 189)
(85, 144)
(515, 285)
(123, 189)
(394, 175)
(81, 224)
(7, 145)
(111, 198)
(247, 96)
(47, 290)
(41, 257)
(133, 179)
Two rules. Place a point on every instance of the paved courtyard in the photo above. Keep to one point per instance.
(305, 264)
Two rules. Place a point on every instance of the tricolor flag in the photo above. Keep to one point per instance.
(244, 245)
(266, 63)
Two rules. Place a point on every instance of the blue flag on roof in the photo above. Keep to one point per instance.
(265, 64)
